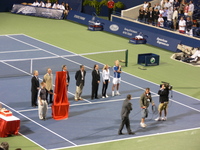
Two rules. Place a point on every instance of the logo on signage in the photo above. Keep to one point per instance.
(152, 60)
(114, 27)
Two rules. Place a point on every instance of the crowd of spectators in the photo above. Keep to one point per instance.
(63, 6)
(170, 14)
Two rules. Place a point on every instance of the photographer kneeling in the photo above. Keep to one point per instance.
(163, 99)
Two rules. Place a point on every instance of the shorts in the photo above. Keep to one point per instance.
(144, 113)
(162, 106)
(116, 80)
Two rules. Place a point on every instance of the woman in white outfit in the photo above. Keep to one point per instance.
(106, 80)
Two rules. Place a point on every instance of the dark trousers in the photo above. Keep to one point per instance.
(165, 19)
(95, 87)
(110, 11)
(34, 95)
(125, 121)
(104, 88)
(50, 97)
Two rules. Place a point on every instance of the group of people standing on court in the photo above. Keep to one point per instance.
(96, 77)
(145, 100)
(41, 91)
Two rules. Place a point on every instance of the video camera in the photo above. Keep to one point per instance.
(167, 85)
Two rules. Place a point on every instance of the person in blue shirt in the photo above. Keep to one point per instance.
(116, 78)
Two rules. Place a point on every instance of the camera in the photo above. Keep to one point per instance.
(167, 85)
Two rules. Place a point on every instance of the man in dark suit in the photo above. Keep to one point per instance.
(64, 68)
(126, 109)
(34, 88)
(95, 82)
(80, 81)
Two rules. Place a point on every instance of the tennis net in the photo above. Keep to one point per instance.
(24, 67)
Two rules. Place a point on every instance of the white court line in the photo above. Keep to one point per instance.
(101, 63)
(121, 80)
(48, 52)
(19, 51)
(12, 34)
(40, 125)
(16, 68)
(32, 45)
(130, 138)
(98, 102)
(151, 92)
(185, 105)
(32, 141)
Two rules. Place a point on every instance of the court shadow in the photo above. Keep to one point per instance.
(20, 104)
(25, 130)
(183, 115)
(76, 113)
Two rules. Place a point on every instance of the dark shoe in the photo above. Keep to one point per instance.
(120, 133)
(131, 133)
(36, 105)
(92, 98)
(96, 98)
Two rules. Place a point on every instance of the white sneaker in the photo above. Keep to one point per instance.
(103, 96)
(107, 96)
(164, 118)
(117, 93)
(158, 119)
(113, 94)
(143, 125)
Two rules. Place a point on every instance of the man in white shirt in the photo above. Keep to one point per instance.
(56, 5)
(160, 21)
(169, 14)
(182, 24)
(175, 17)
(41, 4)
(191, 9)
(167, 4)
(62, 6)
(157, 6)
(36, 3)
(145, 5)
(48, 4)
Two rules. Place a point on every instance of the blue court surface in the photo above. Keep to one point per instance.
(90, 121)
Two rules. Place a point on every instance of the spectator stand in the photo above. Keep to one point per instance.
(133, 13)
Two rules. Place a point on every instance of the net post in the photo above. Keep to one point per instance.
(126, 58)
(31, 66)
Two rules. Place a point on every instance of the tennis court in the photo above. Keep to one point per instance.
(90, 121)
